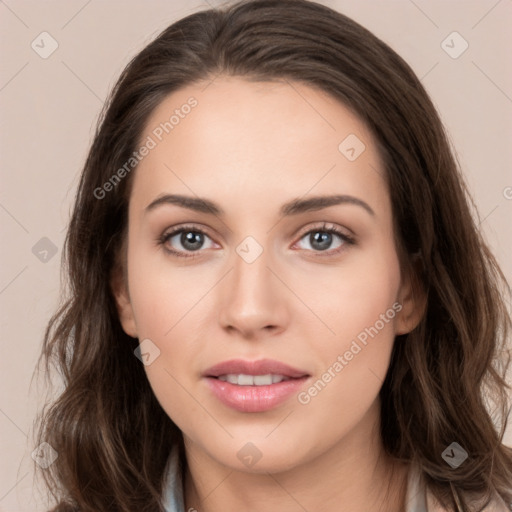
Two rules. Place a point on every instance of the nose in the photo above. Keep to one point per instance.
(253, 300)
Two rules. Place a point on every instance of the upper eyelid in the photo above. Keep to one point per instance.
(325, 226)
(186, 227)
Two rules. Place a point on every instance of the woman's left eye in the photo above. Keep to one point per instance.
(320, 239)
(192, 239)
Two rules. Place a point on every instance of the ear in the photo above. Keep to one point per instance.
(412, 297)
(118, 284)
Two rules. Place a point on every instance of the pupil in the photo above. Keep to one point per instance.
(188, 239)
(321, 240)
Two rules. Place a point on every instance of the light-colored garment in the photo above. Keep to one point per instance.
(417, 498)
(172, 499)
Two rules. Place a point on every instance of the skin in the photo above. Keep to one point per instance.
(250, 148)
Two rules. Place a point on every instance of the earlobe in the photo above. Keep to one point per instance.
(123, 304)
(413, 299)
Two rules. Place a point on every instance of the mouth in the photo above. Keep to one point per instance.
(259, 368)
(254, 386)
(242, 379)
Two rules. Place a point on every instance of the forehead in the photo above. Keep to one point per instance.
(240, 138)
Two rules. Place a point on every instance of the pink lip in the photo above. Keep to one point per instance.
(260, 367)
(254, 398)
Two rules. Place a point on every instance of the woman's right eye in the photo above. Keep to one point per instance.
(190, 238)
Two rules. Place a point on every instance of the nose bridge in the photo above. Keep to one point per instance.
(251, 277)
(252, 296)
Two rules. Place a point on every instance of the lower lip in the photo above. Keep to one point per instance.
(254, 398)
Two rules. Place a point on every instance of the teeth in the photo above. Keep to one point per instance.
(252, 380)
(232, 379)
(245, 380)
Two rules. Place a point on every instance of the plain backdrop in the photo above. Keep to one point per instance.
(50, 104)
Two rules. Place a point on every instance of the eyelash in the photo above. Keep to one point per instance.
(166, 236)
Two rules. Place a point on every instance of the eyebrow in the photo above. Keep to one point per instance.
(294, 207)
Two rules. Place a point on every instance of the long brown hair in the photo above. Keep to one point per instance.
(446, 380)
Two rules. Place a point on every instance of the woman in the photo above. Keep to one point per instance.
(278, 297)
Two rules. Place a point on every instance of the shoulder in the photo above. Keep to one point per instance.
(64, 507)
(421, 499)
(495, 505)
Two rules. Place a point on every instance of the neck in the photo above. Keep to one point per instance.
(355, 472)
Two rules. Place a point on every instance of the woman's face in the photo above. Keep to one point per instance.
(259, 281)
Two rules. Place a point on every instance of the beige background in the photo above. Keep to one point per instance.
(49, 107)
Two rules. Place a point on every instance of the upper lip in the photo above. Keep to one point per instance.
(260, 367)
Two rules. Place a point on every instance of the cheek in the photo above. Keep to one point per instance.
(361, 307)
(163, 294)
(352, 370)
(357, 300)
(170, 388)
(167, 307)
